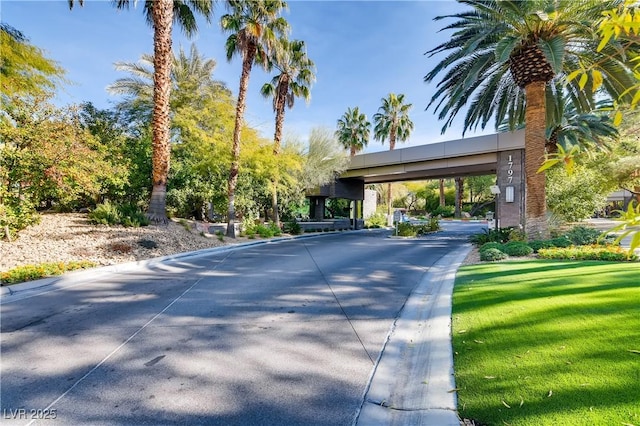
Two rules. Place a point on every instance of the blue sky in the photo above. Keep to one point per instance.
(363, 50)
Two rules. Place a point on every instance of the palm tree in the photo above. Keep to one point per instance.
(161, 14)
(353, 130)
(392, 121)
(254, 27)
(190, 77)
(296, 75)
(501, 58)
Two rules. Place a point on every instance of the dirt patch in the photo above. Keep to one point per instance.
(62, 237)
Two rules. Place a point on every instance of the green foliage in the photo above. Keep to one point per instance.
(490, 245)
(406, 229)
(574, 197)
(516, 248)
(127, 215)
(443, 211)
(34, 272)
(24, 70)
(582, 235)
(269, 230)
(15, 216)
(492, 255)
(377, 220)
(293, 228)
(588, 252)
(324, 159)
(536, 245)
(500, 235)
(629, 222)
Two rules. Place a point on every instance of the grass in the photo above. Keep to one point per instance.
(548, 343)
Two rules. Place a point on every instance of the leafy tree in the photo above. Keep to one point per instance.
(24, 70)
(501, 58)
(254, 28)
(296, 75)
(353, 130)
(325, 159)
(392, 121)
(47, 158)
(161, 14)
(576, 196)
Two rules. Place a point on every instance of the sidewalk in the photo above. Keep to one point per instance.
(413, 381)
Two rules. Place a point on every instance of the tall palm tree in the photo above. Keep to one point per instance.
(353, 130)
(392, 121)
(296, 75)
(501, 58)
(254, 27)
(161, 14)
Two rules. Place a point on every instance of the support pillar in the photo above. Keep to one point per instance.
(316, 207)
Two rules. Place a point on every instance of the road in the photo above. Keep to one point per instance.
(279, 333)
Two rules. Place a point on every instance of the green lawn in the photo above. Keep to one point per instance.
(548, 343)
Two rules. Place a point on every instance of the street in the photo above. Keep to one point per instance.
(279, 333)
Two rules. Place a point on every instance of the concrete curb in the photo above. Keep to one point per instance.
(73, 278)
(413, 381)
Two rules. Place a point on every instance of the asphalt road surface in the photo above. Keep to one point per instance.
(283, 333)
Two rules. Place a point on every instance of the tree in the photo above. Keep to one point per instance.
(353, 130)
(24, 70)
(296, 75)
(160, 14)
(502, 56)
(47, 158)
(325, 159)
(392, 121)
(254, 28)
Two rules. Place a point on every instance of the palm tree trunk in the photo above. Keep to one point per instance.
(392, 145)
(458, 207)
(442, 199)
(162, 14)
(235, 150)
(536, 226)
(280, 111)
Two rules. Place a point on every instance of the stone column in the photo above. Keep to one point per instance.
(316, 207)
(510, 176)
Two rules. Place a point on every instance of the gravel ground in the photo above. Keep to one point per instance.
(70, 236)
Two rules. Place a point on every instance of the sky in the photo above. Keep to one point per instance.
(363, 50)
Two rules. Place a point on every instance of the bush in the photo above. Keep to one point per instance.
(293, 228)
(517, 249)
(17, 217)
(34, 272)
(491, 245)
(500, 235)
(406, 229)
(589, 252)
(582, 236)
(377, 220)
(127, 215)
(536, 245)
(443, 211)
(492, 255)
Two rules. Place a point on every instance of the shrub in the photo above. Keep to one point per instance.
(491, 245)
(492, 255)
(15, 217)
(588, 252)
(148, 244)
(517, 248)
(34, 272)
(128, 215)
(293, 228)
(443, 211)
(378, 220)
(406, 229)
(581, 235)
(536, 245)
(500, 235)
